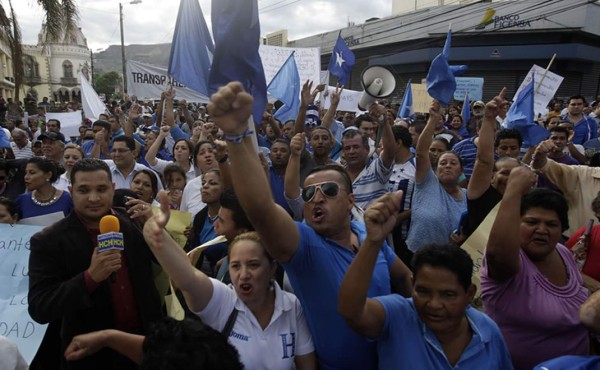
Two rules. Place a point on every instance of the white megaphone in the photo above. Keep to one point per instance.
(378, 82)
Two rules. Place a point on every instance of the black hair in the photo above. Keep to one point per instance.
(442, 140)
(47, 165)
(55, 120)
(230, 201)
(120, 197)
(282, 141)
(419, 124)
(197, 149)
(508, 134)
(322, 128)
(447, 256)
(562, 129)
(104, 124)
(171, 169)
(549, 200)
(89, 165)
(460, 160)
(363, 117)
(595, 160)
(187, 344)
(596, 203)
(129, 141)
(153, 179)
(576, 97)
(401, 133)
(337, 168)
(11, 205)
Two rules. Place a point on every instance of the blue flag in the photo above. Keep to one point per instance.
(466, 110)
(4, 142)
(236, 30)
(192, 48)
(285, 86)
(441, 81)
(406, 109)
(342, 60)
(521, 117)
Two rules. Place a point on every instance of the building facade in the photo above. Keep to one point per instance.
(51, 69)
(7, 79)
(499, 41)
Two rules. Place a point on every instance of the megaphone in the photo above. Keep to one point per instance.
(378, 82)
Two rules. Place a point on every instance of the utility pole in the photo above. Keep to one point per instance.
(123, 50)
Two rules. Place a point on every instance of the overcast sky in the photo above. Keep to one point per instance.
(153, 21)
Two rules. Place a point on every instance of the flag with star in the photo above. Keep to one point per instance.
(342, 61)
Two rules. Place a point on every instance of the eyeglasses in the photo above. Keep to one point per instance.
(120, 150)
(329, 189)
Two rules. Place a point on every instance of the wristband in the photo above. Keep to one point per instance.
(236, 139)
(223, 159)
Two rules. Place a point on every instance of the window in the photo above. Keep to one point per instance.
(67, 69)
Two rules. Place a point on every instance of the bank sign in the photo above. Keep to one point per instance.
(502, 21)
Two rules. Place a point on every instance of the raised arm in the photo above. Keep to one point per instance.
(504, 242)
(230, 108)
(334, 101)
(195, 286)
(484, 164)
(365, 315)
(424, 142)
(155, 147)
(563, 176)
(387, 136)
(589, 312)
(306, 98)
(291, 183)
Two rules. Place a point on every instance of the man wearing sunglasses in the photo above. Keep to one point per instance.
(316, 253)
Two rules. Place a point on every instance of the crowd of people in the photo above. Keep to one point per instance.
(332, 241)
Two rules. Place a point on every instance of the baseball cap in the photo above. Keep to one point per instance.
(52, 135)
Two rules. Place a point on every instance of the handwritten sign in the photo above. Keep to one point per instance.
(471, 85)
(348, 100)
(546, 85)
(421, 99)
(15, 322)
(308, 62)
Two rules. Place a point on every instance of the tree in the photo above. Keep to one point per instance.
(105, 83)
(61, 20)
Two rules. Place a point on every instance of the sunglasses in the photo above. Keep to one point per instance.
(329, 189)
(311, 124)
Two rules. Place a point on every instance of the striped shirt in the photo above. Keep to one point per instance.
(467, 150)
(371, 182)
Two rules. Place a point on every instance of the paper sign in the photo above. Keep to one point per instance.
(421, 99)
(15, 322)
(69, 122)
(471, 85)
(178, 221)
(308, 62)
(348, 100)
(546, 85)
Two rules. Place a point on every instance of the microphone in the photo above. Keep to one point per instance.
(110, 237)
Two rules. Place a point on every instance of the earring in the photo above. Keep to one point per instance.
(48, 180)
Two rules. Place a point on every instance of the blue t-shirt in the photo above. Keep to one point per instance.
(585, 129)
(28, 209)
(214, 252)
(316, 271)
(435, 213)
(407, 343)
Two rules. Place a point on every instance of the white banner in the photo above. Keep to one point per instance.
(308, 62)
(148, 81)
(69, 122)
(471, 85)
(15, 322)
(348, 100)
(92, 104)
(545, 88)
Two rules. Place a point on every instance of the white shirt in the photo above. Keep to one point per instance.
(125, 183)
(191, 199)
(285, 337)
(21, 153)
(161, 164)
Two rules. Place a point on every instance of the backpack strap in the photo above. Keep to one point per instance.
(230, 322)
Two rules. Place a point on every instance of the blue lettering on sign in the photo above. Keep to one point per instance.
(291, 344)
(109, 241)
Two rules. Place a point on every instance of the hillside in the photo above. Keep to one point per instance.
(110, 59)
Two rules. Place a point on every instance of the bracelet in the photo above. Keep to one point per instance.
(223, 159)
(236, 139)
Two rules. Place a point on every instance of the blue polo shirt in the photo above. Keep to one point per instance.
(586, 129)
(407, 343)
(316, 271)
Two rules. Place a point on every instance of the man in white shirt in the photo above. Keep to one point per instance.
(20, 146)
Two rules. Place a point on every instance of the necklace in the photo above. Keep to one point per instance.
(53, 198)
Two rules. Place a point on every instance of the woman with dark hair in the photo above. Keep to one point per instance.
(530, 284)
(251, 308)
(175, 181)
(42, 198)
(438, 201)
(204, 156)
(438, 146)
(145, 185)
(182, 155)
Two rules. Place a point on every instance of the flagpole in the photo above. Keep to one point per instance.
(545, 73)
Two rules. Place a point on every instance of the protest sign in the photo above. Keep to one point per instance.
(421, 99)
(546, 85)
(348, 100)
(308, 62)
(15, 322)
(69, 122)
(471, 85)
